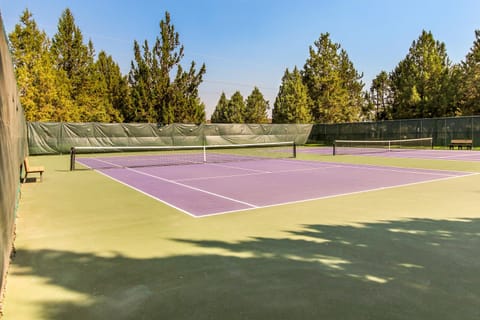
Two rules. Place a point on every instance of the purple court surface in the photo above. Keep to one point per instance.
(457, 155)
(209, 189)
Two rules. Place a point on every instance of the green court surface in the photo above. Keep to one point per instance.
(91, 248)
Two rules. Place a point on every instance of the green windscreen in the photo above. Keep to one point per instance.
(13, 149)
(53, 138)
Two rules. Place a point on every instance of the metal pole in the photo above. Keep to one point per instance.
(72, 158)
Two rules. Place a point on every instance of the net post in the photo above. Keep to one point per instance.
(72, 158)
(294, 149)
(334, 151)
(204, 153)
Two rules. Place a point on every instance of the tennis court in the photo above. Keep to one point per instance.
(215, 188)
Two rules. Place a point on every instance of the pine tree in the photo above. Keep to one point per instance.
(219, 114)
(469, 80)
(421, 82)
(116, 87)
(143, 93)
(381, 96)
(88, 91)
(256, 108)
(92, 97)
(351, 81)
(69, 51)
(184, 96)
(333, 84)
(292, 104)
(43, 92)
(235, 112)
(156, 97)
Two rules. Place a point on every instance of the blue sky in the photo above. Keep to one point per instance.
(247, 43)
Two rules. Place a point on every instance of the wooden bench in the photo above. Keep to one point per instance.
(28, 169)
(460, 143)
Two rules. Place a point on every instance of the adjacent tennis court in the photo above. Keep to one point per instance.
(215, 188)
(455, 155)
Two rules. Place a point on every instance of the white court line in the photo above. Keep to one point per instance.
(192, 188)
(148, 194)
(238, 168)
(252, 206)
(407, 170)
(457, 155)
(257, 173)
(141, 191)
(430, 155)
(106, 162)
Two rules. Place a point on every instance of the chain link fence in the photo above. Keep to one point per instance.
(442, 130)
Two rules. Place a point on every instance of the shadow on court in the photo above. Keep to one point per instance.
(415, 269)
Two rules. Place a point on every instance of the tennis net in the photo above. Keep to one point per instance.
(146, 156)
(373, 146)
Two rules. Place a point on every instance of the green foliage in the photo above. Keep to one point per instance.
(219, 114)
(91, 94)
(184, 96)
(381, 96)
(142, 83)
(467, 80)
(256, 108)
(235, 112)
(60, 80)
(44, 93)
(292, 104)
(421, 82)
(333, 84)
(88, 87)
(156, 97)
(71, 54)
(115, 88)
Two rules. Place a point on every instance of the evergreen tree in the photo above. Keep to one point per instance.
(44, 94)
(167, 54)
(235, 112)
(351, 82)
(92, 97)
(292, 104)
(219, 114)
(469, 80)
(184, 96)
(156, 97)
(333, 84)
(256, 108)
(381, 96)
(421, 82)
(88, 91)
(368, 108)
(69, 51)
(143, 93)
(116, 88)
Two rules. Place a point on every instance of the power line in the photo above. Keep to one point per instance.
(239, 84)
